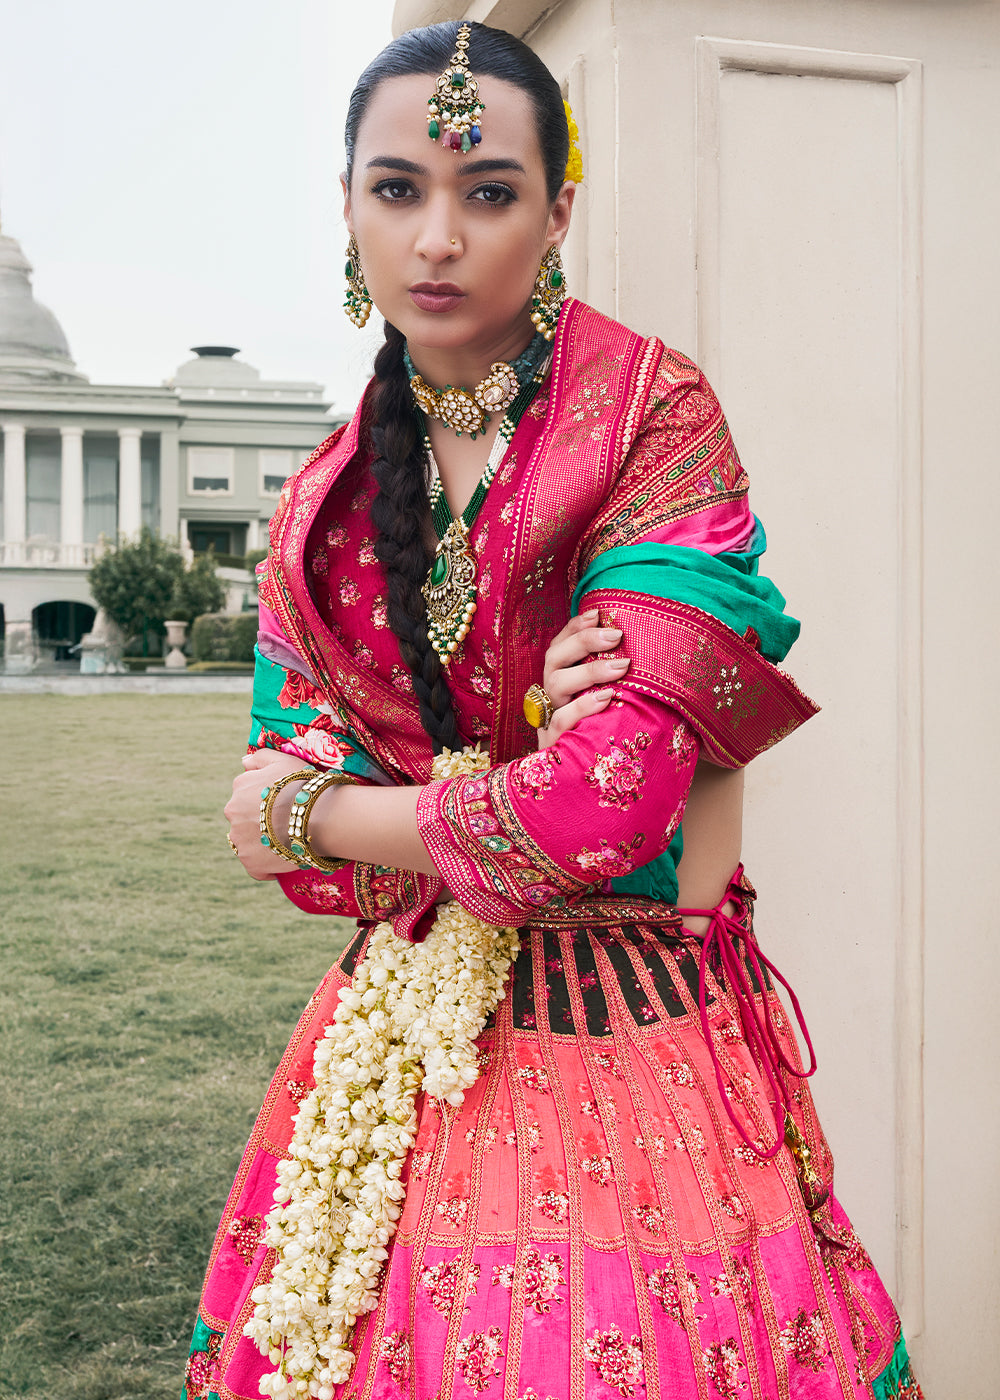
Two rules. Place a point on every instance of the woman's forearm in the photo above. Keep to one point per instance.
(377, 825)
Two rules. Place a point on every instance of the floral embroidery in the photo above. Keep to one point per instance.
(349, 592)
(620, 775)
(420, 1164)
(507, 511)
(297, 1089)
(608, 861)
(532, 1394)
(440, 1282)
(554, 1204)
(733, 1207)
(477, 1355)
(485, 584)
(336, 536)
(359, 500)
(598, 1169)
(402, 679)
(535, 1077)
(683, 744)
(200, 1369)
(658, 1144)
(650, 1217)
(482, 683)
(723, 1367)
(664, 1286)
(320, 564)
(611, 1063)
(534, 1137)
(534, 775)
(366, 552)
(246, 1232)
(804, 1339)
(616, 1361)
(543, 1275)
(480, 729)
(380, 617)
(329, 898)
(396, 1355)
(364, 656)
(748, 1156)
(719, 1286)
(454, 1209)
(679, 1073)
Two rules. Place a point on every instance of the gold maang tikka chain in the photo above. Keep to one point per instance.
(455, 111)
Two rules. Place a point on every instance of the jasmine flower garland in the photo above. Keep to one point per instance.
(410, 1019)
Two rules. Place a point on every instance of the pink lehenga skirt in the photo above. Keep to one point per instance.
(591, 1223)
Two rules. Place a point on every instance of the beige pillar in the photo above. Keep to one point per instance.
(15, 493)
(129, 481)
(71, 492)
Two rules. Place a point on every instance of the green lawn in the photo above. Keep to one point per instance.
(148, 990)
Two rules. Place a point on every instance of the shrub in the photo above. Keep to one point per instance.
(254, 557)
(224, 636)
(198, 590)
(134, 583)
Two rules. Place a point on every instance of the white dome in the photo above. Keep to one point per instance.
(32, 343)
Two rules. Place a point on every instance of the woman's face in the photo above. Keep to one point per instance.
(450, 244)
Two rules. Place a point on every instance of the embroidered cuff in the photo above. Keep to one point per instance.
(484, 856)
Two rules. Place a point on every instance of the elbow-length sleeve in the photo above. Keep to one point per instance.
(671, 559)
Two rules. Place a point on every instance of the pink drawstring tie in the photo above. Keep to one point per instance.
(726, 934)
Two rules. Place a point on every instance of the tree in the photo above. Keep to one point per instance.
(198, 590)
(135, 583)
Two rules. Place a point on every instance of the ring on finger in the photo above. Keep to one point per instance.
(538, 707)
(232, 845)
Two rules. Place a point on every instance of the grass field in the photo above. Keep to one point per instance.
(148, 990)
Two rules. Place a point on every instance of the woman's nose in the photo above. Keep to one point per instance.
(439, 239)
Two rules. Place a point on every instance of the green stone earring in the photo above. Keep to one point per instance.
(358, 303)
(550, 293)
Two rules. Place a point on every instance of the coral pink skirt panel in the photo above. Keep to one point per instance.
(589, 1224)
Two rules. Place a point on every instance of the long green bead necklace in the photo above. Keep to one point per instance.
(450, 590)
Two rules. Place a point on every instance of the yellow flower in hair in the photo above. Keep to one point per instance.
(574, 166)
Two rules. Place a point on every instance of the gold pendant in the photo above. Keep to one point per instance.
(450, 591)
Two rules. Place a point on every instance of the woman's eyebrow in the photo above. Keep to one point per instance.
(408, 167)
(486, 166)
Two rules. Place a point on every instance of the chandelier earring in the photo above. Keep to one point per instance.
(358, 302)
(549, 294)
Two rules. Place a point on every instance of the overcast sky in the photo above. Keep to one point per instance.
(171, 172)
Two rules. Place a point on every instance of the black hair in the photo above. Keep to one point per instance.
(400, 510)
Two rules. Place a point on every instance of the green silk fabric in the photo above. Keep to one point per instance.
(729, 587)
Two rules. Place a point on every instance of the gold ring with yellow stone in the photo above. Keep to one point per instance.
(538, 708)
(232, 845)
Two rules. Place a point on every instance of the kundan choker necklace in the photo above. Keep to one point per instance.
(450, 590)
(468, 410)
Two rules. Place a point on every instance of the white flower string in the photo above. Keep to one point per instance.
(410, 1019)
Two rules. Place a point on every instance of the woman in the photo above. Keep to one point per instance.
(633, 1196)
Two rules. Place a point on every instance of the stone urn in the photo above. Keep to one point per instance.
(175, 659)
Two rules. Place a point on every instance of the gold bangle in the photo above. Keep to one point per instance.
(538, 707)
(298, 819)
(267, 796)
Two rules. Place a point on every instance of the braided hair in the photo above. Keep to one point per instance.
(401, 511)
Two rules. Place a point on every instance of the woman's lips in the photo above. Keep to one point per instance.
(436, 296)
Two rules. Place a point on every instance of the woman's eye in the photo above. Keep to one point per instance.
(393, 190)
(494, 194)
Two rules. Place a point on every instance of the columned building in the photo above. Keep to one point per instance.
(200, 459)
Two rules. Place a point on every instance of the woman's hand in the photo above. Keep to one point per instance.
(567, 672)
(243, 811)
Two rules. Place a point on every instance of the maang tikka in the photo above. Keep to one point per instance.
(358, 302)
(453, 113)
